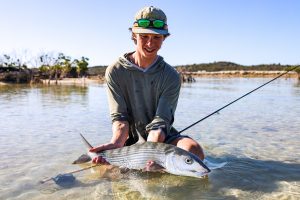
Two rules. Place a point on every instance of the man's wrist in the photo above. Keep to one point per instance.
(156, 135)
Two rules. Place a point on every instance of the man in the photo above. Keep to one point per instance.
(143, 90)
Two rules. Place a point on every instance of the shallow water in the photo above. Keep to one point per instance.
(257, 136)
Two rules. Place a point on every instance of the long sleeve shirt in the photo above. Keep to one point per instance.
(147, 99)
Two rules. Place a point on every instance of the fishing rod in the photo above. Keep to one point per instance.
(287, 71)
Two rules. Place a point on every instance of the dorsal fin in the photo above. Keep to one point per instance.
(87, 144)
(141, 139)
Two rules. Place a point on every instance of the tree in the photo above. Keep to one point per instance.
(7, 61)
(61, 66)
(65, 63)
(81, 66)
(47, 62)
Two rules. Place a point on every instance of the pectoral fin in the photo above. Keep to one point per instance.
(152, 166)
(124, 170)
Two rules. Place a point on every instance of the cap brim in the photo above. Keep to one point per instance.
(150, 31)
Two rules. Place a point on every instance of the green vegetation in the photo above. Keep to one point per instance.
(44, 66)
(62, 66)
(97, 70)
(296, 70)
(229, 66)
(81, 66)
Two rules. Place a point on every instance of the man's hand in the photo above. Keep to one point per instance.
(156, 136)
(103, 147)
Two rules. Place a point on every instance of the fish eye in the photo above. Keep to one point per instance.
(188, 160)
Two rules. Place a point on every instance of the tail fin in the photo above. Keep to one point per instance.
(87, 144)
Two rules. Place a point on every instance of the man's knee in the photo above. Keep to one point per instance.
(189, 145)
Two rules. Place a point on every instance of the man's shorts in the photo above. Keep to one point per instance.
(174, 134)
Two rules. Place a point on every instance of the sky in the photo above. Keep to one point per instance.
(247, 32)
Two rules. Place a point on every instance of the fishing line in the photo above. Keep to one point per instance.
(68, 173)
(237, 99)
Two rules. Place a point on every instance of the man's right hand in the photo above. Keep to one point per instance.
(103, 147)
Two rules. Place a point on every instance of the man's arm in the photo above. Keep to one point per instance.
(160, 126)
(120, 134)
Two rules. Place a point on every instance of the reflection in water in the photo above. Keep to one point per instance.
(68, 90)
(58, 93)
(64, 94)
(297, 84)
(9, 92)
(135, 184)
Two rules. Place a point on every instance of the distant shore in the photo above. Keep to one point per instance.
(240, 73)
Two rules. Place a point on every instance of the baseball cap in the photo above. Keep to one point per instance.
(150, 13)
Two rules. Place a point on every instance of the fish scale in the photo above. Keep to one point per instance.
(136, 156)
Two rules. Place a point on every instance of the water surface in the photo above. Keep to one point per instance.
(258, 136)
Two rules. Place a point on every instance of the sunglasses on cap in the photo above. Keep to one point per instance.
(146, 23)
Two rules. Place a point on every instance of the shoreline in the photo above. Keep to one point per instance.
(75, 81)
(219, 74)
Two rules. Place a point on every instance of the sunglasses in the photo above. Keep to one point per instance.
(145, 23)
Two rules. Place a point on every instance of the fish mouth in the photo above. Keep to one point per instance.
(200, 174)
(205, 170)
(205, 167)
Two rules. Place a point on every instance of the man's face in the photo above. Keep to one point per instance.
(148, 45)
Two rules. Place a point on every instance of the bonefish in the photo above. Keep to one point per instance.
(170, 158)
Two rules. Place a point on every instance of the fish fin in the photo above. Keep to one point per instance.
(152, 166)
(87, 144)
(124, 170)
(141, 139)
(82, 159)
(214, 165)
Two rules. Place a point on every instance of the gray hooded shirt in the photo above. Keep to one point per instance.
(147, 99)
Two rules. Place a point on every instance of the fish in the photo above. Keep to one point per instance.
(166, 157)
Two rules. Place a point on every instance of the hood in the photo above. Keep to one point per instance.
(156, 67)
